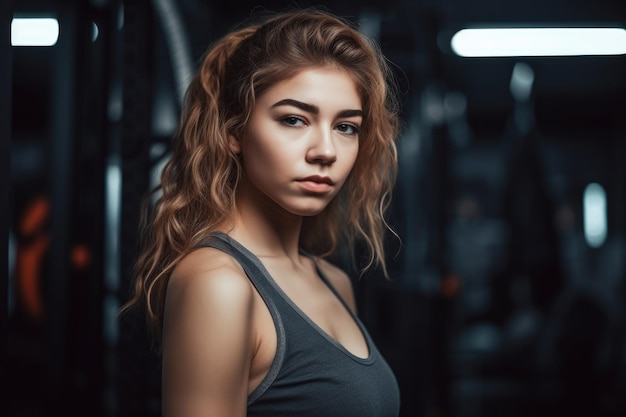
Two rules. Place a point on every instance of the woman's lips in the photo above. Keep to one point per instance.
(316, 184)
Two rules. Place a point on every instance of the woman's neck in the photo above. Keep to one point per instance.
(266, 232)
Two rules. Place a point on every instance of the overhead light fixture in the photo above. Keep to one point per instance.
(595, 215)
(33, 31)
(533, 41)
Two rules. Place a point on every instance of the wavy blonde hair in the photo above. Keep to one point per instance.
(198, 184)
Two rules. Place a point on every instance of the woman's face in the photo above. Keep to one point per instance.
(301, 141)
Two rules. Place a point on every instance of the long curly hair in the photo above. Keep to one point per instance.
(199, 181)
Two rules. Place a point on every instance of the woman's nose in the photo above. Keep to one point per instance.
(322, 149)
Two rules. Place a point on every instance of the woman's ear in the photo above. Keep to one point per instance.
(234, 144)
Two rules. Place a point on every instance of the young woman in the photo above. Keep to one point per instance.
(286, 150)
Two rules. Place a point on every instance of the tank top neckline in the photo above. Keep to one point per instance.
(253, 258)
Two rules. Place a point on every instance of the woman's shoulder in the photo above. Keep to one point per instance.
(212, 274)
(205, 259)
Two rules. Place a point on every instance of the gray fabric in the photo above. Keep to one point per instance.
(312, 374)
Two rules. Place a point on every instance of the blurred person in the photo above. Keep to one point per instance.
(285, 154)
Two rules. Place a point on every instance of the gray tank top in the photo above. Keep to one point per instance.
(312, 374)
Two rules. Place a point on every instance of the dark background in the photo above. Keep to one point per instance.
(497, 306)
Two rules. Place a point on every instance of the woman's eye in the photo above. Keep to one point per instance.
(348, 129)
(293, 121)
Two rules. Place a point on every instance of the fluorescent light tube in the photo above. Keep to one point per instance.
(503, 42)
(34, 31)
(595, 215)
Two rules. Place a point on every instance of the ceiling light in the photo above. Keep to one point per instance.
(34, 31)
(527, 41)
(594, 215)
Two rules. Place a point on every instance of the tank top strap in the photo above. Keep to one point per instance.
(251, 265)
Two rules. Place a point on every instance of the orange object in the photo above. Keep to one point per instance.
(81, 256)
(30, 256)
(35, 216)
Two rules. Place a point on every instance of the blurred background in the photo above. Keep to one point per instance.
(508, 292)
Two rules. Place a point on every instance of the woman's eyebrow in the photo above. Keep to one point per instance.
(310, 108)
(350, 113)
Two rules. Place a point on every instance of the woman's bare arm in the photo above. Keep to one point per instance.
(207, 338)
